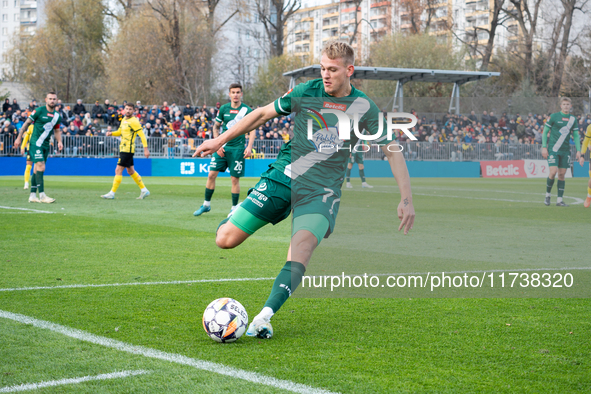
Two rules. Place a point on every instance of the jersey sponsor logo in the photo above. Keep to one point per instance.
(50, 115)
(262, 187)
(340, 107)
(233, 111)
(565, 119)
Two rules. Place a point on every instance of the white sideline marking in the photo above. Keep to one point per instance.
(26, 209)
(174, 282)
(52, 383)
(171, 357)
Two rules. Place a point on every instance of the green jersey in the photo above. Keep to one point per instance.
(44, 122)
(561, 127)
(228, 117)
(322, 159)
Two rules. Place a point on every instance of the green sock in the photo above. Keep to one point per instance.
(221, 224)
(362, 175)
(208, 194)
(287, 281)
(33, 183)
(235, 197)
(348, 175)
(561, 188)
(39, 179)
(549, 184)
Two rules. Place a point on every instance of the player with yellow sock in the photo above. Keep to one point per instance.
(586, 144)
(129, 129)
(25, 151)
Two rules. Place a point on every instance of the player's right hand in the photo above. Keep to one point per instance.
(221, 152)
(545, 153)
(581, 161)
(17, 142)
(207, 148)
(109, 133)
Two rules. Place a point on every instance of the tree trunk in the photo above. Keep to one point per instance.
(491, 35)
(569, 9)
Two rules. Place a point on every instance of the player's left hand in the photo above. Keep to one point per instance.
(581, 161)
(60, 146)
(146, 152)
(406, 214)
(247, 153)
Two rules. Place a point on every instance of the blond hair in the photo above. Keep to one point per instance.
(335, 49)
(565, 99)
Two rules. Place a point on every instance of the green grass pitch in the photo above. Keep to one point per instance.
(411, 342)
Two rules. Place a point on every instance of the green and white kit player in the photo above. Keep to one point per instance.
(557, 149)
(357, 157)
(46, 121)
(232, 154)
(307, 177)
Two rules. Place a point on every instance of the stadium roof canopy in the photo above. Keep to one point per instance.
(402, 76)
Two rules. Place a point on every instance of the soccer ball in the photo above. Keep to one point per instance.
(225, 320)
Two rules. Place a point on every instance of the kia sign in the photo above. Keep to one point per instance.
(503, 169)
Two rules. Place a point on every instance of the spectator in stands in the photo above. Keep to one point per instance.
(73, 129)
(493, 118)
(5, 105)
(188, 110)
(79, 108)
(15, 105)
(485, 118)
(32, 105)
(97, 111)
(138, 106)
(68, 115)
(87, 120)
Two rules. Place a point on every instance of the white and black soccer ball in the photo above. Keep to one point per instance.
(225, 320)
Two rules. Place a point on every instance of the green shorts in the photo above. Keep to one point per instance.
(233, 159)
(38, 153)
(272, 200)
(559, 159)
(356, 157)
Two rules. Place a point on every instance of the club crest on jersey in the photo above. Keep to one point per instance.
(327, 140)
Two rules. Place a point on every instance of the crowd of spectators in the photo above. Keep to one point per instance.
(488, 128)
(178, 125)
(173, 123)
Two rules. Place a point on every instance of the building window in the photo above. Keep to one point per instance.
(4, 31)
(4, 17)
(16, 17)
(247, 36)
(5, 4)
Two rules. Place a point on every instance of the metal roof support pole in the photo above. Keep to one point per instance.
(454, 104)
(292, 83)
(398, 104)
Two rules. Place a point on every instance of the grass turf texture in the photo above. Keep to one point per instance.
(340, 344)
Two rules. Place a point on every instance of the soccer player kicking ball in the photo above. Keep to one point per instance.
(232, 154)
(357, 157)
(129, 129)
(307, 177)
(561, 125)
(586, 144)
(46, 121)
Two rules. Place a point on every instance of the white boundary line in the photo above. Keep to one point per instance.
(170, 357)
(53, 383)
(174, 282)
(26, 209)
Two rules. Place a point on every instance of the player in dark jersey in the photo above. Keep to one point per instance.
(230, 156)
(46, 121)
(307, 177)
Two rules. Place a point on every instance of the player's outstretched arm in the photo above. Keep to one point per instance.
(406, 210)
(250, 122)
